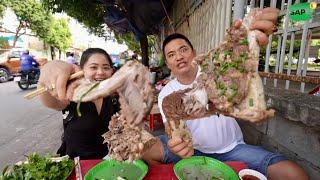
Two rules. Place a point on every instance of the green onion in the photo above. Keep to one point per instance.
(243, 70)
(250, 102)
(203, 67)
(215, 56)
(234, 86)
(220, 85)
(82, 96)
(222, 92)
(244, 41)
(225, 66)
(244, 55)
(227, 52)
(234, 92)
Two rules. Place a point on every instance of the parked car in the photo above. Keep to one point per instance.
(10, 64)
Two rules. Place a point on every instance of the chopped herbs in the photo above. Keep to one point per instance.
(234, 86)
(250, 102)
(221, 87)
(203, 67)
(244, 41)
(215, 56)
(243, 70)
(233, 94)
(227, 52)
(236, 64)
(39, 167)
(227, 65)
(244, 55)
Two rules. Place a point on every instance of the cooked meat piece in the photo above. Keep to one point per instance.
(131, 82)
(126, 137)
(229, 82)
(125, 141)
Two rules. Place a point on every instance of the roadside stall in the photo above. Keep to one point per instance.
(229, 84)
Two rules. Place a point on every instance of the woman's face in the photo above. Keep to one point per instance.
(97, 68)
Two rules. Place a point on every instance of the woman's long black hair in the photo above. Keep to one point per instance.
(90, 51)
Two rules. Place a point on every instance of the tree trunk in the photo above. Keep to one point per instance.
(59, 54)
(53, 54)
(16, 36)
(144, 50)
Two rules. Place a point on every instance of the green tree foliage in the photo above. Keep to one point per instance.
(315, 43)
(31, 15)
(59, 35)
(2, 7)
(91, 14)
(132, 43)
(88, 12)
(3, 43)
(274, 46)
(129, 40)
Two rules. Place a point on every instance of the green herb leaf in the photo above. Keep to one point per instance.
(233, 94)
(83, 95)
(244, 41)
(244, 55)
(227, 52)
(215, 56)
(39, 167)
(250, 102)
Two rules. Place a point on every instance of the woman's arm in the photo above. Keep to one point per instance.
(51, 102)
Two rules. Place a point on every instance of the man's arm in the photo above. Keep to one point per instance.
(176, 145)
(34, 61)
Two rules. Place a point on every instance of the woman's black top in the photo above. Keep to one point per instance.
(82, 135)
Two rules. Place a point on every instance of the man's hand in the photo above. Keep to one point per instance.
(265, 23)
(180, 148)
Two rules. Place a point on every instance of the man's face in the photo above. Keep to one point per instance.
(179, 56)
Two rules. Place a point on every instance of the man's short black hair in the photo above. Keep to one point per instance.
(173, 37)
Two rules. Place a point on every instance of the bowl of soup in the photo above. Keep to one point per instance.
(250, 174)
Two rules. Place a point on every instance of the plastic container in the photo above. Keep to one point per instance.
(201, 167)
(112, 169)
(251, 172)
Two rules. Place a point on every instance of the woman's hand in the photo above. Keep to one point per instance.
(54, 76)
(180, 148)
(265, 23)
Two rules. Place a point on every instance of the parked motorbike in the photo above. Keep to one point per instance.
(25, 79)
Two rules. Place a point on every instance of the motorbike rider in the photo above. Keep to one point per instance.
(70, 58)
(28, 63)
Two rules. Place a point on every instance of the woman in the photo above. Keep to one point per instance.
(82, 135)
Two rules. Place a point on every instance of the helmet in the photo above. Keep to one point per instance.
(26, 51)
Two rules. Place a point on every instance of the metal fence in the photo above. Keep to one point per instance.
(205, 22)
(291, 33)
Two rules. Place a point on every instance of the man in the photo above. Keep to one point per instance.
(28, 63)
(219, 137)
(70, 58)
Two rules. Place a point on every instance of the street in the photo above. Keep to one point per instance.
(25, 125)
